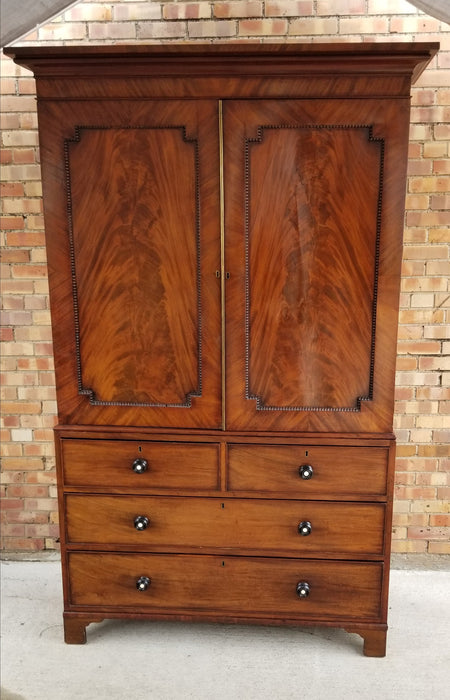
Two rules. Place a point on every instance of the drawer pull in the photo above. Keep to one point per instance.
(306, 471)
(141, 522)
(139, 465)
(304, 528)
(143, 583)
(303, 589)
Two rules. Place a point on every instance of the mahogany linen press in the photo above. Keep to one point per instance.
(224, 238)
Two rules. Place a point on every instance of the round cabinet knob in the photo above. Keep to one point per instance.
(306, 471)
(143, 583)
(139, 465)
(303, 589)
(304, 528)
(141, 522)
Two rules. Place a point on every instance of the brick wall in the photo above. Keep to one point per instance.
(422, 520)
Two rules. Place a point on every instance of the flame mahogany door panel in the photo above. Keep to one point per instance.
(313, 221)
(133, 247)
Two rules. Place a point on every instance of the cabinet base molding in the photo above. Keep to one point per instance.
(374, 636)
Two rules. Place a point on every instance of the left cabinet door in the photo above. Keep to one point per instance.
(131, 191)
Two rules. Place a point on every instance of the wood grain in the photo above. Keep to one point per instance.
(229, 585)
(136, 258)
(132, 252)
(309, 316)
(312, 234)
(337, 471)
(245, 526)
(104, 463)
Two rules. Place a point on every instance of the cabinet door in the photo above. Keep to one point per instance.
(313, 227)
(132, 208)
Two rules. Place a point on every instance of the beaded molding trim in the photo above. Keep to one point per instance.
(260, 405)
(82, 390)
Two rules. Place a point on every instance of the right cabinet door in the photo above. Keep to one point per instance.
(314, 196)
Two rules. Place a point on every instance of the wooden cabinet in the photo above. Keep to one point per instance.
(224, 237)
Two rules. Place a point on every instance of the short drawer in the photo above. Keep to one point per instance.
(296, 528)
(308, 471)
(237, 586)
(128, 463)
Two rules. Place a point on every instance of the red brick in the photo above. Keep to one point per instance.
(12, 223)
(17, 287)
(18, 104)
(441, 520)
(211, 28)
(112, 30)
(442, 131)
(419, 348)
(9, 121)
(439, 548)
(422, 97)
(29, 271)
(62, 31)
(88, 13)
(288, 8)
(6, 156)
(313, 26)
(128, 11)
(12, 504)
(15, 255)
(440, 201)
(27, 517)
(419, 167)
(186, 10)
(364, 25)
(27, 491)
(429, 218)
(26, 239)
(26, 86)
(428, 533)
(262, 27)
(27, 545)
(13, 318)
(161, 30)
(11, 189)
(344, 7)
(412, 25)
(24, 155)
(441, 167)
(414, 493)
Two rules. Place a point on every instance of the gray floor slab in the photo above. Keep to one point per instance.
(175, 661)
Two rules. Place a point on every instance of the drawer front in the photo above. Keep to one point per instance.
(289, 527)
(336, 471)
(233, 585)
(103, 463)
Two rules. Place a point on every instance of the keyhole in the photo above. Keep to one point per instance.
(140, 448)
(306, 453)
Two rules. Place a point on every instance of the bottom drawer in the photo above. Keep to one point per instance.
(234, 586)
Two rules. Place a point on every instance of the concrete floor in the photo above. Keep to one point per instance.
(175, 661)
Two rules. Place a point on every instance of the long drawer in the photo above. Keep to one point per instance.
(294, 527)
(235, 586)
(309, 471)
(146, 464)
